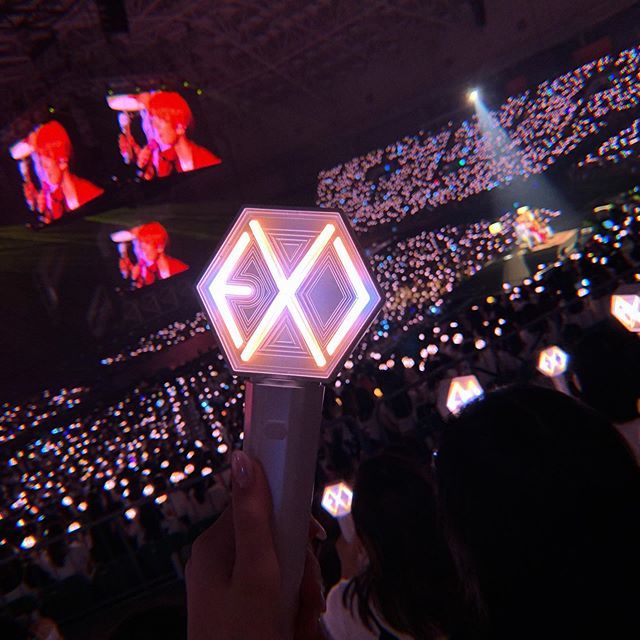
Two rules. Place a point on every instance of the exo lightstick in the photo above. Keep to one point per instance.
(625, 307)
(553, 362)
(460, 392)
(336, 501)
(288, 295)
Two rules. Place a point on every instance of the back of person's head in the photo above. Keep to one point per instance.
(401, 405)
(410, 578)
(365, 402)
(540, 497)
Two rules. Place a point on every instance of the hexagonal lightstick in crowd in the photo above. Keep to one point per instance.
(553, 363)
(288, 295)
(461, 391)
(336, 500)
(625, 307)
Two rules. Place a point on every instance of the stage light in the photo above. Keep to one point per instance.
(130, 514)
(74, 526)
(473, 95)
(625, 307)
(463, 390)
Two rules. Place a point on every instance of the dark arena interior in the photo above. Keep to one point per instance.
(484, 156)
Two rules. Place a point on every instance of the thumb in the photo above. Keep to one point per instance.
(255, 560)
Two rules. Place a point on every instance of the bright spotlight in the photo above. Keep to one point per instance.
(473, 95)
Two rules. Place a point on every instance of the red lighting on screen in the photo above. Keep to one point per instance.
(143, 256)
(51, 188)
(155, 129)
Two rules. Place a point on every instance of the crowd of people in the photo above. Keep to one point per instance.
(169, 336)
(152, 463)
(524, 136)
(616, 149)
(159, 429)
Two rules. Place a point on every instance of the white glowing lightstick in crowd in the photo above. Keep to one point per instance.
(553, 362)
(288, 295)
(625, 307)
(461, 391)
(336, 500)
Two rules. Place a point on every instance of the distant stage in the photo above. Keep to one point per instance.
(560, 239)
(515, 267)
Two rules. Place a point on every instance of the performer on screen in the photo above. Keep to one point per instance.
(168, 148)
(152, 263)
(61, 190)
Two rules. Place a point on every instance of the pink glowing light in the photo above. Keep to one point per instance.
(288, 293)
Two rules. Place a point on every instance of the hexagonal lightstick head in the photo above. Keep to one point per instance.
(336, 499)
(462, 391)
(625, 307)
(553, 362)
(288, 293)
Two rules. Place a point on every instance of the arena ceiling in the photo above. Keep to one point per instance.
(267, 67)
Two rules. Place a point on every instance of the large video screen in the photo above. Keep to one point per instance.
(155, 134)
(143, 255)
(51, 183)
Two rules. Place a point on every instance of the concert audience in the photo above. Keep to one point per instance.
(144, 470)
(526, 135)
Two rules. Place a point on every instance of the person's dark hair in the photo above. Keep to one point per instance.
(401, 405)
(410, 578)
(200, 493)
(166, 621)
(365, 402)
(540, 498)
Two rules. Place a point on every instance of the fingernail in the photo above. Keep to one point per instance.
(241, 471)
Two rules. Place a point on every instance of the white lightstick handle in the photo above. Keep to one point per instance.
(347, 527)
(560, 383)
(282, 428)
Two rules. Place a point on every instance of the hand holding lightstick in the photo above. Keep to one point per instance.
(288, 295)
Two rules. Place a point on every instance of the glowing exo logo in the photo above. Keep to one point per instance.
(336, 499)
(462, 391)
(625, 307)
(553, 362)
(288, 292)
